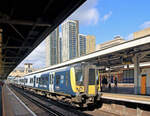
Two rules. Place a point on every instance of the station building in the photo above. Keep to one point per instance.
(117, 40)
(125, 72)
(21, 71)
(86, 44)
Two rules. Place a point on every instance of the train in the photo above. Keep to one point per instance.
(78, 84)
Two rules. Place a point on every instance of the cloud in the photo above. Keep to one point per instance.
(107, 16)
(87, 14)
(145, 25)
(37, 57)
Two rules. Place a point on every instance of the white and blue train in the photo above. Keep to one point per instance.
(77, 82)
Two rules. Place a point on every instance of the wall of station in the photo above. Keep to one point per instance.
(124, 76)
(144, 81)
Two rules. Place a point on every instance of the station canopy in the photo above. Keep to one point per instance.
(25, 23)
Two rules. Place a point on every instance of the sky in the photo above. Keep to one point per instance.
(104, 19)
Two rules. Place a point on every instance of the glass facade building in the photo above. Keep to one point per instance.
(52, 48)
(70, 30)
(82, 44)
(90, 44)
(60, 48)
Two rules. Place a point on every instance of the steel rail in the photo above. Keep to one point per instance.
(39, 104)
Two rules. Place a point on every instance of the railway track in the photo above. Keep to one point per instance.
(53, 108)
(39, 103)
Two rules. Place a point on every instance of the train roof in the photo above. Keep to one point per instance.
(46, 71)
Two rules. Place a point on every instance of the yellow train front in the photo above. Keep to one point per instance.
(84, 81)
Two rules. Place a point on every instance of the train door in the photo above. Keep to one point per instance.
(34, 81)
(37, 81)
(143, 84)
(51, 82)
(90, 80)
(99, 82)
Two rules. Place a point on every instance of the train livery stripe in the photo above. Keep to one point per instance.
(72, 79)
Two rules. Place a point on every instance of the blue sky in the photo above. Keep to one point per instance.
(104, 19)
(114, 17)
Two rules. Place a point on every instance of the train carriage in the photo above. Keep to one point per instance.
(77, 82)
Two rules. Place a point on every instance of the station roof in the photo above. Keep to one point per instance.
(113, 56)
(25, 23)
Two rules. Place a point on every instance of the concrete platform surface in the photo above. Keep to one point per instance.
(121, 90)
(13, 106)
(127, 98)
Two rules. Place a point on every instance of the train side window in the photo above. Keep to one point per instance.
(31, 80)
(37, 80)
(57, 79)
(40, 81)
(62, 79)
(25, 80)
(46, 80)
(79, 75)
(66, 78)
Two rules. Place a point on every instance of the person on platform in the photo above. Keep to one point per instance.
(115, 81)
(104, 83)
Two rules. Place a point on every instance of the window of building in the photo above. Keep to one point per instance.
(128, 76)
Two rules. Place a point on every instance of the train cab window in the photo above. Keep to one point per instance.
(79, 75)
(92, 77)
(57, 79)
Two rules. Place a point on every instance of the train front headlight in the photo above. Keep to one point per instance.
(80, 89)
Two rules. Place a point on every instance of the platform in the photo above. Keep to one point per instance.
(13, 106)
(140, 99)
(123, 89)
